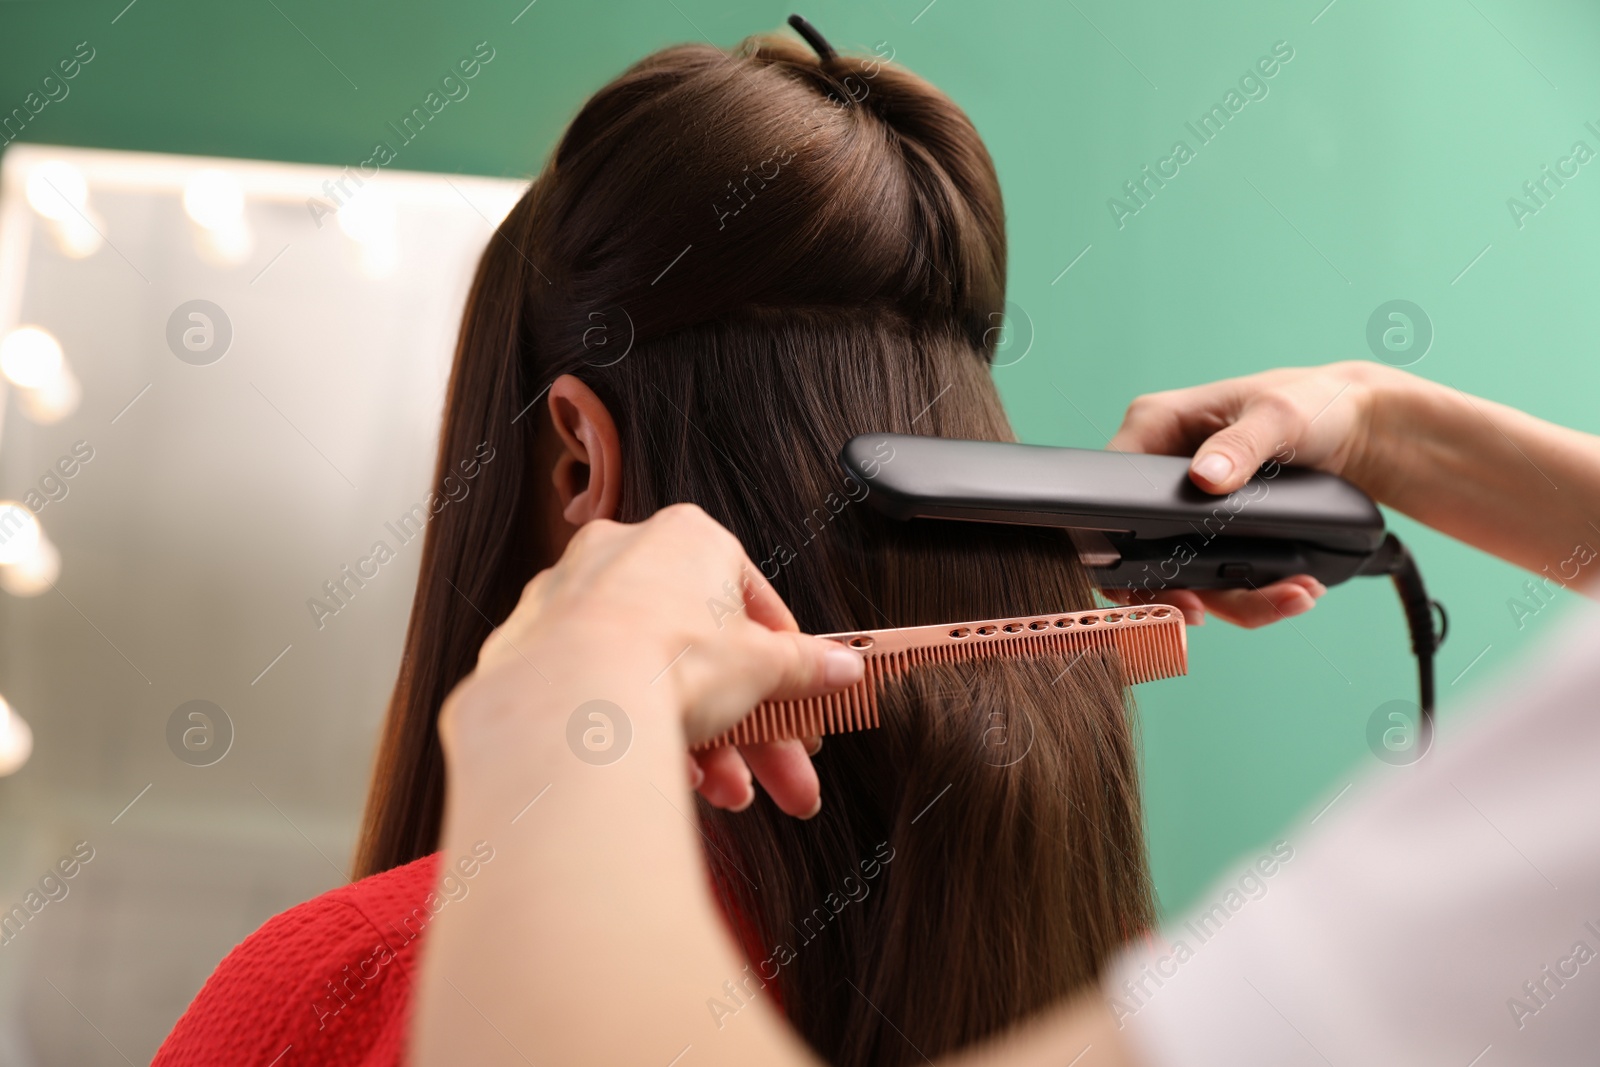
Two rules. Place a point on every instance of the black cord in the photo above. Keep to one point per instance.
(1402, 568)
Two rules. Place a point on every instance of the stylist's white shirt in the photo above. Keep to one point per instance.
(1443, 913)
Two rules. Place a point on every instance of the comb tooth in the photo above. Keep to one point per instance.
(844, 718)
(882, 672)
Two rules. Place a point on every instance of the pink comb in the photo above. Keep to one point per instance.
(1150, 641)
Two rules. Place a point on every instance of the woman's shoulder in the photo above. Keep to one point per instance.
(329, 978)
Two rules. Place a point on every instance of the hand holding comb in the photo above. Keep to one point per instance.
(1149, 640)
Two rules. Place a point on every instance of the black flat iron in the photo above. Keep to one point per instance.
(1141, 526)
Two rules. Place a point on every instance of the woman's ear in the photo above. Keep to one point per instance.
(587, 473)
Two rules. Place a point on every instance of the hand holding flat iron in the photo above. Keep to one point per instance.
(1494, 477)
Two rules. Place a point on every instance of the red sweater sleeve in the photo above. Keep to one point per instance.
(326, 982)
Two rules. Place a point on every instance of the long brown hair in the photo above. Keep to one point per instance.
(751, 258)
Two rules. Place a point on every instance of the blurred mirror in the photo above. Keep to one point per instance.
(222, 384)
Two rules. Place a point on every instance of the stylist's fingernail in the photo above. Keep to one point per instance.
(813, 745)
(1214, 468)
(840, 666)
(697, 776)
(1194, 617)
(812, 814)
(1297, 603)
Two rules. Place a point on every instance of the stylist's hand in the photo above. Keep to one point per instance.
(651, 599)
(1308, 416)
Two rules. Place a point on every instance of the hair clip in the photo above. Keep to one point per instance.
(818, 43)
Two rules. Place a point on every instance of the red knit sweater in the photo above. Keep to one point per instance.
(327, 982)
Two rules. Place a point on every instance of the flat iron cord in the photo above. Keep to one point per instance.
(1394, 559)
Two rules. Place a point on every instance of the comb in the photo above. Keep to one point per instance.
(1149, 640)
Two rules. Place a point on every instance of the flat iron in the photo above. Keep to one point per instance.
(1141, 526)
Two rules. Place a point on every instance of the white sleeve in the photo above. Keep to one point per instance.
(1446, 912)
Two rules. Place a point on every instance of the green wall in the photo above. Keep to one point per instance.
(1378, 166)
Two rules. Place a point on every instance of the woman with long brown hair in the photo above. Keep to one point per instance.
(731, 265)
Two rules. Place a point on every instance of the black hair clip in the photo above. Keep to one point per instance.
(818, 43)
